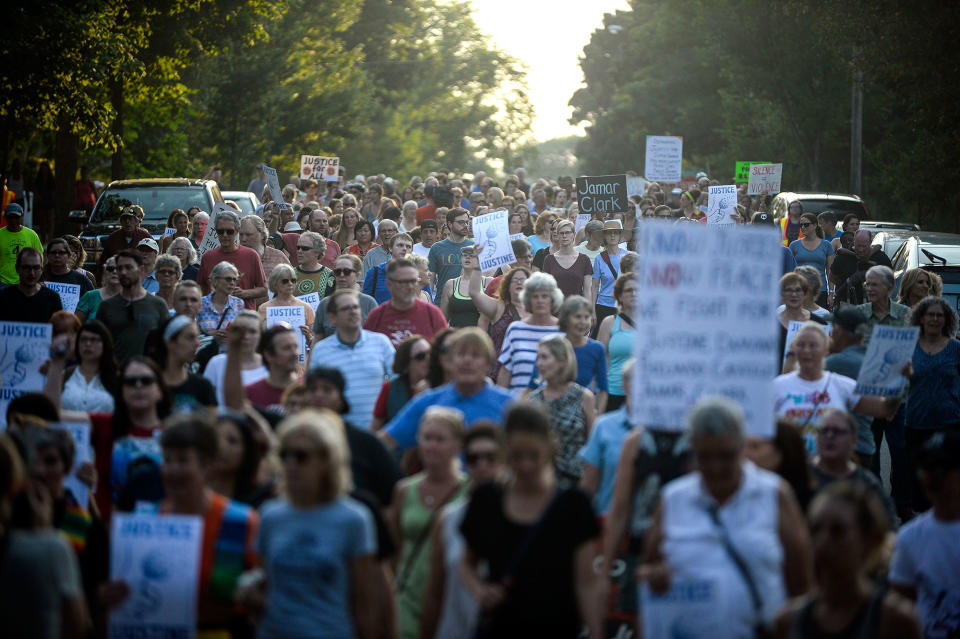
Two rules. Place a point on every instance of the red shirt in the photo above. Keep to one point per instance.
(290, 240)
(265, 395)
(420, 319)
(247, 262)
(426, 212)
(331, 254)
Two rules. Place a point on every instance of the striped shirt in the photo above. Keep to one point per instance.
(519, 352)
(364, 365)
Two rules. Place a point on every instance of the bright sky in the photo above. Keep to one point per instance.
(549, 36)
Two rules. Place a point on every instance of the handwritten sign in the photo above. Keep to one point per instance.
(209, 241)
(24, 347)
(491, 232)
(705, 322)
(664, 159)
(602, 194)
(891, 347)
(69, 294)
(158, 556)
(319, 167)
(273, 183)
(742, 171)
(83, 453)
(636, 185)
(764, 178)
(722, 203)
(296, 317)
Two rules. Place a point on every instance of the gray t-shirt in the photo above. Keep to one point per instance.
(321, 323)
(38, 573)
(130, 322)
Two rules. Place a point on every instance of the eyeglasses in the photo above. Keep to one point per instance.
(139, 380)
(304, 248)
(422, 355)
(110, 269)
(343, 272)
(405, 282)
(296, 454)
(466, 221)
(473, 458)
(287, 280)
(226, 231)
(229, 278)
(832, 431)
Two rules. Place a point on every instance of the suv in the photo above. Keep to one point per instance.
(935, 252)
(158, 197)
(818, 202)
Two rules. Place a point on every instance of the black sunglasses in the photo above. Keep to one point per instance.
(298, 455)
(226, 231)
(342, 272)
(139, 380)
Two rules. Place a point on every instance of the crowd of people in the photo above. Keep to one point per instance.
(383, 440)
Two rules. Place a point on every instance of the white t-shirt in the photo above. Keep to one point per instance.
(420, 249)
(927, 557)
(217, 366)
(796, 398)
(820, 312)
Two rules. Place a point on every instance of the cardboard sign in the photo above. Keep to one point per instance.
(158, 556)
(69, 294)
(602, 194)
(636, 185)
(319, 167)
(275, 192)
(664, 158)
(24, 347)
(891, 347)
(764, 178)
(705, 322)
(721, 204)
(793, 327)
(83, 452)
(742, 172)
(491, 232)
(296, 317)
(582, 219)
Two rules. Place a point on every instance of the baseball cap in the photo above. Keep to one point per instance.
(761, 217)
(849, 318)
(429, 224)
(150, 243)
(127, 211)
(13, 209)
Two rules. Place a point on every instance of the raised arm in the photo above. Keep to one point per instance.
(491, 308)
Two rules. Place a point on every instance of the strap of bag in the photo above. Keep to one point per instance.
(626, 318)
(422, 539)
(606, 258)
(740, 564)
(816, 402)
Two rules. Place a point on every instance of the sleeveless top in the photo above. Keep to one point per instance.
(463, 312)
(498, 331)
(662, 456)
(863, 625)
(695, 552)
(569, 424)
(398, 394)
(619, 350)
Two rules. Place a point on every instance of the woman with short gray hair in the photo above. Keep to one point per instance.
(253, 235)
(220, 307)
(182, 249)
(541, 298)
(282, 283)
(168, 272)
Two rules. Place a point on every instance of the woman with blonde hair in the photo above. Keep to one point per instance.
(918, 283)
(282, 283)
(346, 230)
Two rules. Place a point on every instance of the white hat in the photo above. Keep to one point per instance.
(150, 243)
(292, 227)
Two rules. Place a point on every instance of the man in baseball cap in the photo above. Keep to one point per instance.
(13, 237)
(128, 236)
(148, 250)
(846, 358)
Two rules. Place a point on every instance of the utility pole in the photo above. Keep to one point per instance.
(856, 127)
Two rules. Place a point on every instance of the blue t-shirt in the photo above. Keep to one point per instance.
(602, 451)
(816, 258)
(536, 244)
(591, 366)
(606, 276)
(789, 261)
(934, 399)
(489, 403)
(444, 260)
(381, 293)
(306, 556)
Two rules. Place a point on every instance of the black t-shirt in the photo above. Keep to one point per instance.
(541, 600)
(194, 393)
(374, 468)
(17, 307)
(130, 322)
(540, 256)
(71, 277)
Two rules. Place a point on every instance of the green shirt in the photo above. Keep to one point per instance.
(10, 245)
(896, 316)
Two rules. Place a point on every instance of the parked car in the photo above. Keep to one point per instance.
(891, 240)
(935, 252)
(818, 202)
(877, 226)
(247, 201)
(157, 196)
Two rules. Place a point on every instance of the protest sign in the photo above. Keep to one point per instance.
(582, 219)
(168, 231)
(24, 347)
(518, 236)
(602, 194)
(764, 178)
(313, 299)
(158, 556)
(273, 183)
(491, 232)
(664, 161)
(891, 347)
(722, 203)
(742, 172)
(69, 294)
(82, 453)
(210, 238)
(690, 608)
(319, 167)
(704, 322)
(296, 317)
(793, 327)
(636, 185)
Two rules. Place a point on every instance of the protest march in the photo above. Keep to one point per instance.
(666, 399)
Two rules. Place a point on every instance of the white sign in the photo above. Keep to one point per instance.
(793, 327)
(69, 294)
(210, 239)
(83, 453)
(764, 178)
(690, 608)
(320, 168)
(274, 184)
(518, 236)
(296, 317)
(158, 556)
(705, 322)
(491, 232)
(636, 186)
(664, 158)
(722, 203)
(168, 231)
(24, 347)
(582, 219)
(313, 299)
(891, 347)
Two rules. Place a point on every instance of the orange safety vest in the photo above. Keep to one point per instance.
(783, 231)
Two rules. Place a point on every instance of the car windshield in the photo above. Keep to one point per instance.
(950, 253)
(840, 207)
(245, 203)
(157, 202)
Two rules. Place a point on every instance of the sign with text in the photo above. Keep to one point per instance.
(491, 232)
(705, 322)
(296, 317)
(24, 347)
(582, 219)
(210, 238)
(274, 183)
(793, 327)
(313, 299)
(690, 608)
(83, 453)
(764, 178)
(664, 159)
(636, 185)
(891, 347)
(722, 203)
(158, 556)
(742, 172)
(602, 194)
(319, 167)
(69, 294)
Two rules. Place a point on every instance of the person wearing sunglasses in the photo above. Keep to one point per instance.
(133, 313)
(410, 367)
(813, 250)
(221, 306)
(253, 283)
(283, 283)
(312, 276)
(404, 314)
(346, 271)
(58, 269)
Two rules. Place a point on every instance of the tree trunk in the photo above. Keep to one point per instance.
(117, 170)
(65, 179)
